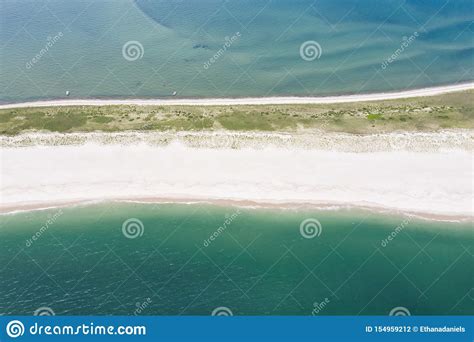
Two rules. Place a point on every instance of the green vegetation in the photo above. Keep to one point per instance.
(374, 116)
(454, 110)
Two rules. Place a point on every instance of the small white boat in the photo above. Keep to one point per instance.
(68, 92)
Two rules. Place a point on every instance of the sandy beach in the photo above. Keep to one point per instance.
(432, 91)
(430, 182)
(428, 174)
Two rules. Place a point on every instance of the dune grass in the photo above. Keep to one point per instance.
(454, 110)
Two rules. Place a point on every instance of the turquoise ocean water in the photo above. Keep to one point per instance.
(52, 46)
(258, 263)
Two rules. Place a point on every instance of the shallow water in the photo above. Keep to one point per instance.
(257, 263)
(180, 38)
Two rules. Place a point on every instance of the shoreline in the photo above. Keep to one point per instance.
(244, 204)
(283, 100)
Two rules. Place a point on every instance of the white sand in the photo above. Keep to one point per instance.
(431, 182)
(433, 91)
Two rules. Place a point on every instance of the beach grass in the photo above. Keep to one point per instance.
(448, 111)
